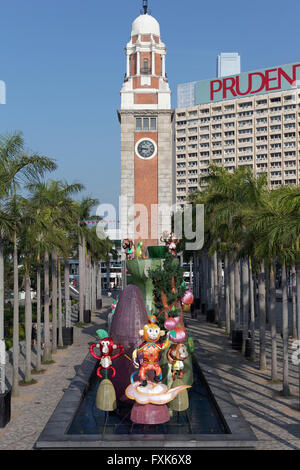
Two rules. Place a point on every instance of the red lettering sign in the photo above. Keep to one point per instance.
(232, 84)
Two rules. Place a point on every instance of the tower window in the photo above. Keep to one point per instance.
(153, 124)
(145, 68)
(146, 124)
(139, 124)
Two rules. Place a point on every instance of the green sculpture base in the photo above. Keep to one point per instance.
(138, 270)
(181, 401)
(106, 396)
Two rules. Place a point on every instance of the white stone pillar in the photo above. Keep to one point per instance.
(153, 63)
(138, 63)
(127, 64)
(163, 71)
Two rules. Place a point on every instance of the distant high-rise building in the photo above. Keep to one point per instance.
(228, 63)
(186, 94)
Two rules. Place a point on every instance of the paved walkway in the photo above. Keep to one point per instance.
(36, 403)
(274, 419)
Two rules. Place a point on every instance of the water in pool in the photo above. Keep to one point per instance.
(202, 417)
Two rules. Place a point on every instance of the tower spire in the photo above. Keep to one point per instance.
(145, 6)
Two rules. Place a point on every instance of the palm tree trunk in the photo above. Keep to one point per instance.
(67, 292)
(88, 282)
(16, 339)
(252, 310)
(227, 295)
(2, 340)
(94, 286)
(220, 291)
(81, 278)
(54, 301)
(262, 317)
(298, 314)
(294, 301)
(28, 326)
(267, 292)
(237, 292)
(215, 280)
(60, 337)
(108, 272)
(245, 291)
(204, 280)
(273, 321)
(47, 349)
(285, 332)
(232, 295)
(38, 315)
(99, 281)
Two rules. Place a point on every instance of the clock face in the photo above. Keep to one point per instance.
(146, 148)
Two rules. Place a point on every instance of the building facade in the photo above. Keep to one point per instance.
(260, 130)
(146, 118)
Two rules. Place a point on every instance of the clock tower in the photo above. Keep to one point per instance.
(146, 120)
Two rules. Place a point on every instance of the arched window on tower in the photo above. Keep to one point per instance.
(145, 68)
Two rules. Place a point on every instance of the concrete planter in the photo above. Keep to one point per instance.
(5, 408)
(87, 316)
(237, 340)
(210, 315)
(67, 334)
(98, 304)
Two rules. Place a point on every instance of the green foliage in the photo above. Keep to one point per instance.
(162, 282)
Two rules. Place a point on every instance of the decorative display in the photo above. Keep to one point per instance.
(128, 246)
(112, 309)
(170, 241)
(181, 401)
(139, 250)
(188, 297)
(150, 350)
(157, 394)
(176, 356)
(129, 318)
(106, 348)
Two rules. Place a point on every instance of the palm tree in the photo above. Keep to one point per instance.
(53, 200)
(16, 167)
(83, 210)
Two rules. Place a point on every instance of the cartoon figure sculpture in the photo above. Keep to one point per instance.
(128, 246)
(176, 356)
(106, 348)
(150, 350)
(170, 241)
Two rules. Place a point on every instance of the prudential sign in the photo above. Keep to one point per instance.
(285, 77)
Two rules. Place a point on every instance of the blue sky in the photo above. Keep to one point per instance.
(63, 64)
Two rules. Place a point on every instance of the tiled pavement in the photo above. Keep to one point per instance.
(36, 403)
(274, 419)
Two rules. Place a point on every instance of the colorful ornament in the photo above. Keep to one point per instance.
(139, 250)
(156, 394)
(150, 350)
(128, 246)
(106, 348)
(188, 298)
(176, 356)
(170, 241)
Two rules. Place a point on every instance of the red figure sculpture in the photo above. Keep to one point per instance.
(106, 347)
(150, 350)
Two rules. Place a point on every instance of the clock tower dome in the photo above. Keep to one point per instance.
(146, 120)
